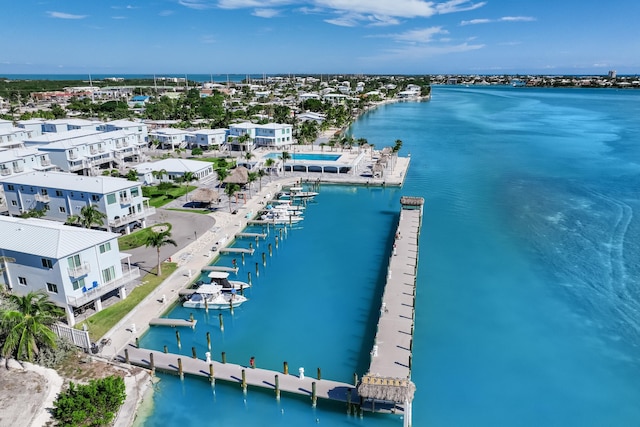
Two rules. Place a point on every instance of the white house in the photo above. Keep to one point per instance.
(32, 125)
(73, 265)
(23, 159)
(67, 124)
(174, 169)
(274, 135)
(239, 130)
(138, 128)
(207, 138)
(61, 194)
(169, 137)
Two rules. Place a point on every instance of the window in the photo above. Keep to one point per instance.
(52, 287)
(74, 261)
(59, 193)
(123, 194)
(77, 284)
(135, 192)
(111, 198)
(44, 192)
(62, 209)
(14, 203)
(47, 207)
(95, 198)
(105, 247)
(46, 263)
(109, 274)
(22, 281)
(11, 187)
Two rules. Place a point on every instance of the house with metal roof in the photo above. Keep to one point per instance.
(170, 138)
(60, 195)
(74, 266)
(172, 170)
(138, 128)
(207, 138)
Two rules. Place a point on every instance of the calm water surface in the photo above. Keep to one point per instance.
(528, 301)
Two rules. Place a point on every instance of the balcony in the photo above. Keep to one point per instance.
(148, 211)
(79, 271)
(93, 151)
(104, 288)
(5, 171)
(45, 162)
(18, 169)
(73, 156)
(43, 198)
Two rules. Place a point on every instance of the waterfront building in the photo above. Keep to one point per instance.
(207, 138)
(170, 138)
(60, 195)
(271, 135)
(74, 266)
(172, 170)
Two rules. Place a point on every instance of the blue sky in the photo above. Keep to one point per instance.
(320, 36)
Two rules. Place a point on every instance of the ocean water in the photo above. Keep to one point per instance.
(528, 305)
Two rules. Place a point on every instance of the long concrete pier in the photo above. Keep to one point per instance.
(389, 375)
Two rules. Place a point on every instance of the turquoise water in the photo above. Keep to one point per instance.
(528, 299)
(300, 156)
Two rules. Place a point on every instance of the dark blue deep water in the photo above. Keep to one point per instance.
(528, 290)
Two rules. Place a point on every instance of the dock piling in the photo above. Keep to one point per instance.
(244, 380)
(231, 306)
(224, 357)
(314, 394)
(276, 242)
(285, 369)
(348, 401)
(191, 317)
(126, 355)
(277, 387)
(180, 372)
(257, 270)
(242, 255)
(152, 365)
(178, 339)
(137, 342)
(212, 379)
(209, 340)
(221, 321)
(194, 353)
(271, 248)
(249, 277)
(319, 374)
(166, 349)
(264, 258)
(355, 379)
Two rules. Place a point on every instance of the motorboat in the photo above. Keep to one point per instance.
(221, 278)
(297, 192)
(283, 209)
(212, 297)
(281, 217)
(286, 204)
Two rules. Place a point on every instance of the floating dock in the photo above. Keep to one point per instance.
(161, 321)
(251, 235)
(236, 251)
(389, 375)
(209, 268)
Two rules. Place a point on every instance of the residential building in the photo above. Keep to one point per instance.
(274, 135)
(61, 195)
(138, 128)
(170, 138)
(74, 266)
(32, 125)
(207, 138)
(172, 170)
(67, 124)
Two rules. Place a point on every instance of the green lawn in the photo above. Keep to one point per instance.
(137, 238)
(101, 322)
(159, 198)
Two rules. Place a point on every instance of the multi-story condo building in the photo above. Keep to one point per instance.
(60, 195)
(170, 138)
(207, 138)
(74, 266)
(139, 129)
(272, 135)
(64, 125)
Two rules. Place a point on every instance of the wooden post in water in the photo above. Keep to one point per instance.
(231, 305)
(126, 355)
(194, 353)
(152, 365)
(314, 395)
(285, 369)
(244, 381)
(257, 270)
(348, 401)
(277, 387)
(180, 372)
(276, 242)
(257, 242)
(206, 304)
(355, 379)
(271, 248)
(166, 349)
(191, 317)
(319, 374)
(249, 277)
(242, 254)
(178, 338)
(209, 340)
(250, 245)
(264, 258)
(221, 321)
(224, 357)
(212, 379)
(137, 342)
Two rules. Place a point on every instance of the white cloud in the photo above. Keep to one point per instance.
(503, 19)
(422, 35)
(265, 13)
(118, 17)
(166, 12)
(196, 4)
(409, 53)
(62, 15)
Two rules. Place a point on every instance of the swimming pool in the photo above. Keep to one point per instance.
(308, 157)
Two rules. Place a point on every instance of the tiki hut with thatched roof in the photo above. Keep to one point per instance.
(398, 390)
(240, 176)
(206, 196)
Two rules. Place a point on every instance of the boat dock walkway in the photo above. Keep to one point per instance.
(162, 321)
(236, 251)
(251, 235)
(243, 375)
(389, 375)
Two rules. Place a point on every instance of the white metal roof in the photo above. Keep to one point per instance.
(173, 165)
(71, 181)
(48, 239)
(218, 275)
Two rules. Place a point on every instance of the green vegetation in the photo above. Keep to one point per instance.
(101, 322)
(89, 216)
(163, 193)
(24, 325)
(90, 405)
(138, 238)
(158, 240)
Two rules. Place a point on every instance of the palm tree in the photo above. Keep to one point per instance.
(248, 156)
(251, 177)
(261, 174)
(158, 240)
(284, 157)
(230, 190)
(187, 178)
(89, 215)
(27, 326)
(269, 164)
(159, 174)
(397, 146)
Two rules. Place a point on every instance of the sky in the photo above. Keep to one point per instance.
(319, 36)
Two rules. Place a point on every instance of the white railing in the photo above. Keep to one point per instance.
(77, 337)
(45, 162)
(132, 217)
(44, 198)
(18, 169)
(92, 294)
(5, 171)
(80, 270)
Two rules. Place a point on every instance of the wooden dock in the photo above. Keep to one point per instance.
(237, 251)
(162, 321)
(251, 235)
(209, 268)
(389, 375)
(254, 377)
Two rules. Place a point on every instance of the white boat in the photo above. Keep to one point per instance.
(220, 278)
(281, 217)
(297, 192)
(282, 210)
(212, 297)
